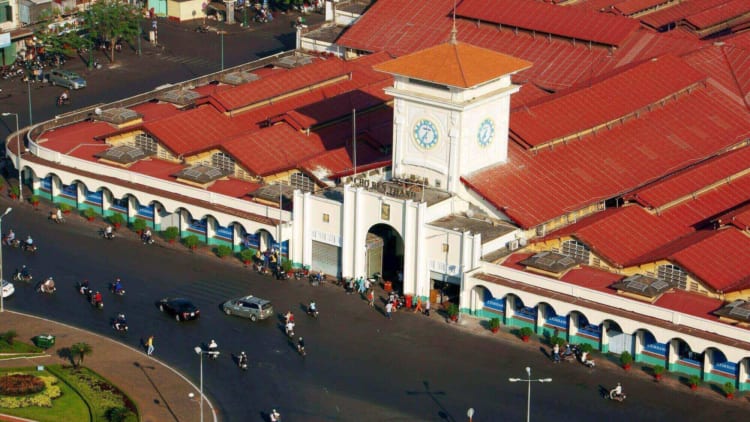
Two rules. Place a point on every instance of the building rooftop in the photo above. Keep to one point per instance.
(489, 230)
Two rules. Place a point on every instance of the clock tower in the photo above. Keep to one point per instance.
(451, 111)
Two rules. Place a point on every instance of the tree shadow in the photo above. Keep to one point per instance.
(66, 354)
(443, 413)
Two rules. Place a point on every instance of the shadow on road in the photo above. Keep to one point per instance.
(148, 377)
(443, 413)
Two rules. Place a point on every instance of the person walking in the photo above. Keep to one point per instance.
(419, 305)
(371, 297)
(427, 307)
(150, 345)
(556, 353)
(388, 310)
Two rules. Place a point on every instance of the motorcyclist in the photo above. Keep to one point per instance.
(10, 237)
(25, 272)
(213, 349)
(616, 393)
(275, 416)
(242, 360)
(120, 322)
(108, 232)
(64, 96)
(585, 359)
(48, 286)
(301, 345)
(146, 238)
(289, 329)
(96, 299)
(58, 213)
(117, 287)
(312, 308)
(289, 317)
(29, 241)
(84, 288)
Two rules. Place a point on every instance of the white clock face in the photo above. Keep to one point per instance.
(486, 132)
(425, 134)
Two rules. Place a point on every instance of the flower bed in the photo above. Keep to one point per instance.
(25, 390)
(101, 395)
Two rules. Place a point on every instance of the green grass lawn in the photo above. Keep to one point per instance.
(19, 347)
(70, 406)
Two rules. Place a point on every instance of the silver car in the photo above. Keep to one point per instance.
(66, 78)
(248, 307)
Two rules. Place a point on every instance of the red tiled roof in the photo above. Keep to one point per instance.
(193, 130)
(592, 278)
(461, 65)
(281, 83)
(540, 17)
(722, 261)
(630, 7)
(693, 179)
(673, 14)
(512, 260)
(593, 105)
(742, 219)
(727, 67)
(719, 14)
(66, 139)
(154, 111)
(532, 188)
(339, 162)
(716, 201)
(596, 5)
(738, 217)
(234, 187)
(623, 236)
(529, 93)
(690, 303)
(273, 149)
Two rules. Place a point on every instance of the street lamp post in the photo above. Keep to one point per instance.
(528, 396)
(28, 88)
(222, 49)
(199, 350)
(18, 157)
(2, 298)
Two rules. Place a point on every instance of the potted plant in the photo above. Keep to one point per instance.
(728, 388)
(658, 370)
(693, 382)
(495, 324)
(626, 360)
(286, 266)
(65, 208)
(14, 191)
(34, 200)
(525, 334)
(117, 220)
(453, 312)
(191, 242)
(89, 213)
(171, 233)
(139, 225)
(223, 251)
(247, 256)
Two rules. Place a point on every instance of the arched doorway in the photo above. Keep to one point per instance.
(384, 249)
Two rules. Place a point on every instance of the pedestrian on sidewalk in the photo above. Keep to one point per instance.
(371, 297)
(427, 307)
(556, 353)
(150, 345)
(419, 305)
(388, 310)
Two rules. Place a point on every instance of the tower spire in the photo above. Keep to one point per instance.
(454, 31)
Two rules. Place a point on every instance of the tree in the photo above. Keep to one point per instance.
(59, 41)
(81, 350)
(111, 21)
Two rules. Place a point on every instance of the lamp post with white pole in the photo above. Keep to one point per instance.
(2, 297)
(18, 156)
(199, 350)
(529, 381)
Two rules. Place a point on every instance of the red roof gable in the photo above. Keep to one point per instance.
(630, 7)
(707, 205)
(690, 303)
(593, 104)
(693, 179)
(534, 187)
(742, 219)
(679, 11)
(154, 110)
(272, 150)
(541, 17)
(722, 261)
(719, 14)
(193, 130)
(280, 83)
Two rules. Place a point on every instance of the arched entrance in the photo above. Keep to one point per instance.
(384, 249)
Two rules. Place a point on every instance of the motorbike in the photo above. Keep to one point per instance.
(242, 362)
(19, 276)
(48, 286)
(617, 397)
(29, 248)
(312, 312)
(120, 326)
(147, 240)
(213, 351)
(57, 219)
(61, 101)
(95, 304)
(120, 292)
(301, 350)
(108, 236)
(289, 330)
(84, 290)
(260, 268)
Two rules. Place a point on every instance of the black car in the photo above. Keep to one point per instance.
(181, 308)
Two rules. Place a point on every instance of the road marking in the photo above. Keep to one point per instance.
(185, 60)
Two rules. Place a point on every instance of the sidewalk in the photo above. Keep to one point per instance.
(160, 392)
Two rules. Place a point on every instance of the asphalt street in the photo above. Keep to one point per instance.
(360, 366)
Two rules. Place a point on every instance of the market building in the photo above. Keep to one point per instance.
(575, 172)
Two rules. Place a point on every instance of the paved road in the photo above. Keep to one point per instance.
(359, 367)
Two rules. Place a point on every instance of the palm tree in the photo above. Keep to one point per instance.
(81, 350)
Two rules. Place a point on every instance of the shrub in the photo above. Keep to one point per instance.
(286, 265)
(64, 207)
(117, 414)
(658, 369)
(585, 347)
(14, 190)
(494, 323)
(117, 219)
(626, 358)
(525, 332)
(247, 254)
(34, 199)
(452, 310)
(20, 384)
(171, 233)
(694, 380)
(191, 241)
(8, 336)
(555, 340)
(139, 225)
(89, 213)
(728, 387)
(223, 250)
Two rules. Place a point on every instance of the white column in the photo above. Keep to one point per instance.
(360, 234)
(297, 246)
(80, 194)
(211, 224)
(410, 246)
(347, 232)
(236, 236)
(397, 153)
(132, 204)
(742, 372)
(672, 354)
(306, 229)
(454, 163)
(638, 344)
(422, 285)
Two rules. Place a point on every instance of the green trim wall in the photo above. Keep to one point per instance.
(689, 370)
(650, 359)
(520, 323)
(575, 339)
(718, 378)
